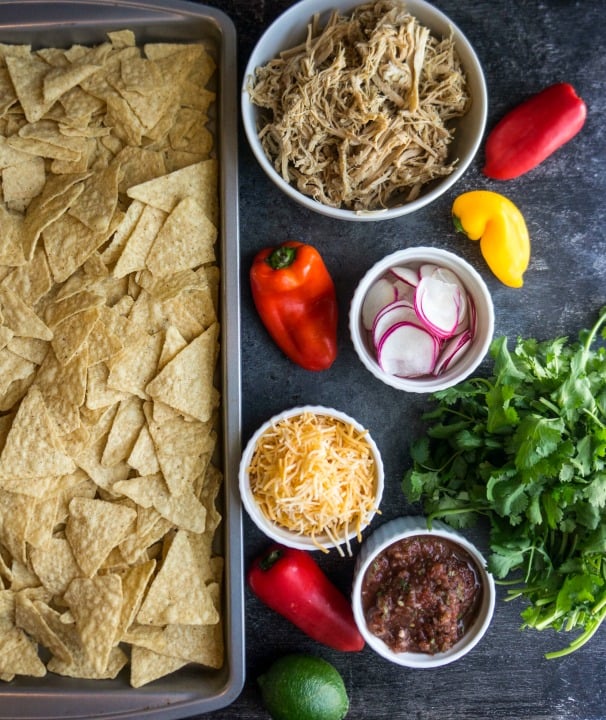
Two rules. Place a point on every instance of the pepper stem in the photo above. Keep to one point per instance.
(458, 225)
(281, 257)
(270, 559)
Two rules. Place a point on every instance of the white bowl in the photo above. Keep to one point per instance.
(399, 529)
(476, 290)
(290, 28)
(278, 532)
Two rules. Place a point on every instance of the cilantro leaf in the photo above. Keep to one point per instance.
(525, 448)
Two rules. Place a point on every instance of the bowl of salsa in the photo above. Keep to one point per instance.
(422, 597)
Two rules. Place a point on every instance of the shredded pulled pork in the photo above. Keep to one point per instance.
(358, 115)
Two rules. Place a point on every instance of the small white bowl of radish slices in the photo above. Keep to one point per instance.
(421, 319)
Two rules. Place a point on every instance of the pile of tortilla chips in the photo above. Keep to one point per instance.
(109, 340)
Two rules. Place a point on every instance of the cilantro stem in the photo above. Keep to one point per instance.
(444, 465)
(578, 642)
(457, 511)
(592, 333)
(552, 406)
(593, 417)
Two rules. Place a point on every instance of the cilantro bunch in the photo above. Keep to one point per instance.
(525, 449)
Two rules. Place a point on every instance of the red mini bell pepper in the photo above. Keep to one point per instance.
(533, 131)
(290, 582)
(297, 302)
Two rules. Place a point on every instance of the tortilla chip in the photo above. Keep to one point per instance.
(186, 240)
(132, 369)
(115, 248)
(147, 666)
(30, 349)
(12, 238)
(185, 511)
(96, 604)
(60, 80)
(139, 242)
(165, 604)
(197, 181)
(20, 317)
(143, 457)
(19, 655)
(21, 183)
(182, 385)
(63, 388)
(134, 584)
(124, 432)
(96, 205)
(31, 281)
(102, 343)
(29, 618)
(27, 74)
(55, 565)
(40, 532)
(13, 367)
(65, 307)
(94, 528)
(138, 165)
(33, 448)
(183, 449)
(98, 394)
(70, 336)
(137, 544)
(69, 243)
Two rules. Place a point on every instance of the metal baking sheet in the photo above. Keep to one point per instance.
(191, 690)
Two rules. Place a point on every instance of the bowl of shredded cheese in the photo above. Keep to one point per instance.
(312, 478)
(364, 111)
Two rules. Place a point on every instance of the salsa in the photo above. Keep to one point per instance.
(420, 594)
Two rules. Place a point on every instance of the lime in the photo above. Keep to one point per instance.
(303, 687)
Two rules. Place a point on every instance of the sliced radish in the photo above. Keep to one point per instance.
(393, 314)
(420, 321)
(378, 296)
(452, 351)
(405, 274)
(427, 269)
(404, 291)
(406, 350)
(438, 305)
(473, 316)
(447, 275)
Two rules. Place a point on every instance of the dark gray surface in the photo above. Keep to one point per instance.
(524, 45)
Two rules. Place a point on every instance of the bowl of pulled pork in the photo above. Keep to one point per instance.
(364, 111)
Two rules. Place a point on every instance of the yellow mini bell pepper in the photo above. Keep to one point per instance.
(501, 229)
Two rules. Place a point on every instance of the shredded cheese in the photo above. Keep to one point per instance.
(315, 475)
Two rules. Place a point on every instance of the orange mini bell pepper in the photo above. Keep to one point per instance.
(501, 229)
(297, 302)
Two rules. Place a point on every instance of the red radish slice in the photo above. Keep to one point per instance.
(407, 350)
(447, 275)
(452, 351)
(378, 296)
(438, 305)
(392, 315)
(405, 274)
(427, 269)
(404, 291)
(473, 316)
